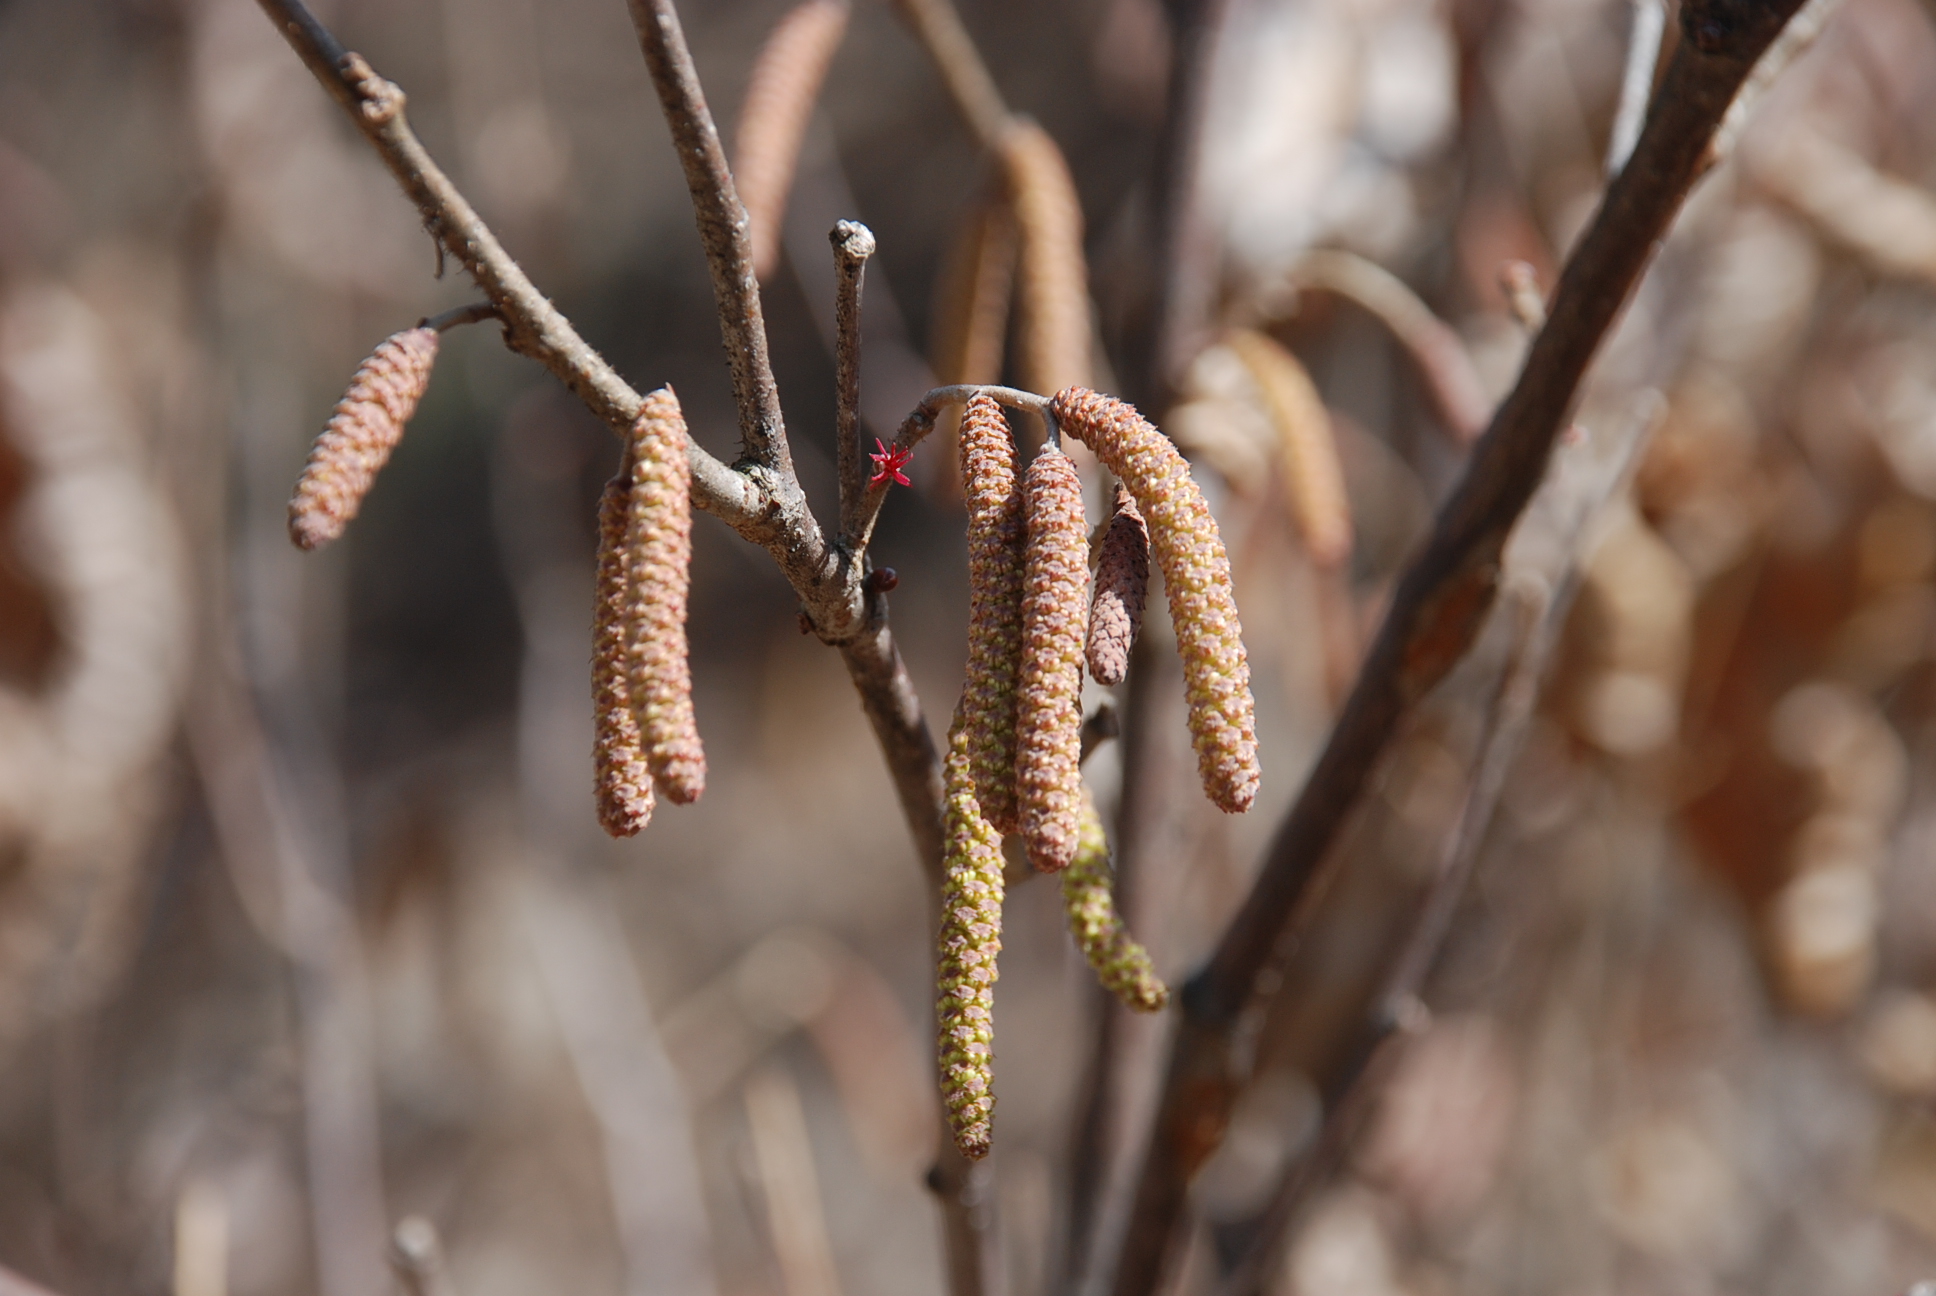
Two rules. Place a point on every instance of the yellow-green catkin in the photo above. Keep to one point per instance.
(1196, 574)
(1122, 586)
(969, 939)
(995, 542)
(658, 551)
(362, 431)
(1120, 964)
(1055, 614)
(622, 783)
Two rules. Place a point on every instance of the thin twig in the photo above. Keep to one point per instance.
(457, 316)
(963, 73)
(533, 326)
(1435, 614)
(853, 244)
(1637, 83)
(1451, 381)
(723, 229)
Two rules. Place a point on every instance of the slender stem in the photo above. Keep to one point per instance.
(966, 77)
(723, 229)
(457, 316)
(533, 326)
(853, 244)
(1435, 614)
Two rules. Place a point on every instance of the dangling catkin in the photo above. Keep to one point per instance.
(361, 433)
(1055, 607)
(969, 940)
(1053, 297)
(995, 544)
(1122, 586)
(658, 550)
(1120, 964)
(1308, 449)
(779, 103)
(623, 784)
(1196, 574)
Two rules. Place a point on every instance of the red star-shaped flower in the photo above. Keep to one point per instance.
(888, 462)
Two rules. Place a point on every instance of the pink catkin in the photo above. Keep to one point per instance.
(995, 539)
(357, 441)
(1122, 587)
(1196, 574)
(1055, 614)
(658, 549)
(622, 782)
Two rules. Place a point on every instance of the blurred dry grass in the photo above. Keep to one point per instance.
(1686, 1029)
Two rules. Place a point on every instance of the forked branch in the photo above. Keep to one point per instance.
(1435, 613)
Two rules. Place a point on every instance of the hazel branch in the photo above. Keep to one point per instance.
(723, 229)
(532, 325)
(853, 244)
(1436, 611)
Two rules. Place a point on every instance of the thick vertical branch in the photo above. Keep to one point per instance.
(723, 229)
(1436, 611)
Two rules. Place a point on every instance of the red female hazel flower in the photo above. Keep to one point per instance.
(1196, 575)
(1055, 607)
(658, 549)
(361, 433)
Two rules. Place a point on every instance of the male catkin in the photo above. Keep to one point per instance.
(1196, 574)
(357, 441)
(773, 120)
(1053, 291)
(995, 543)
(623, 784)
(969, 940)
(658, 551)
(1055, 607)
(1122, 587)
(1120, 964)
(1307, 445)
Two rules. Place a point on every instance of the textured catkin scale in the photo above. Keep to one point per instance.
(995, 541)
(361, 433)
(1308, 448)
(780, 94)
(1122, 586)
(658, 551)
(1053, 290)
(969, 940)
(1196, 573)
(623, 784)
(1055, 606)
(1121, 965)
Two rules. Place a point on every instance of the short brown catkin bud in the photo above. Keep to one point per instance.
(622, 783)
(1122, 586)
(361, 433)
(1120, 964)
(969, 940)
(1196, 573)
(995, 542)
(658, 550)
(1055, 606)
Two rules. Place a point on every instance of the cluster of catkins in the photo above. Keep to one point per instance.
(1015, 748)
(641, 670)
